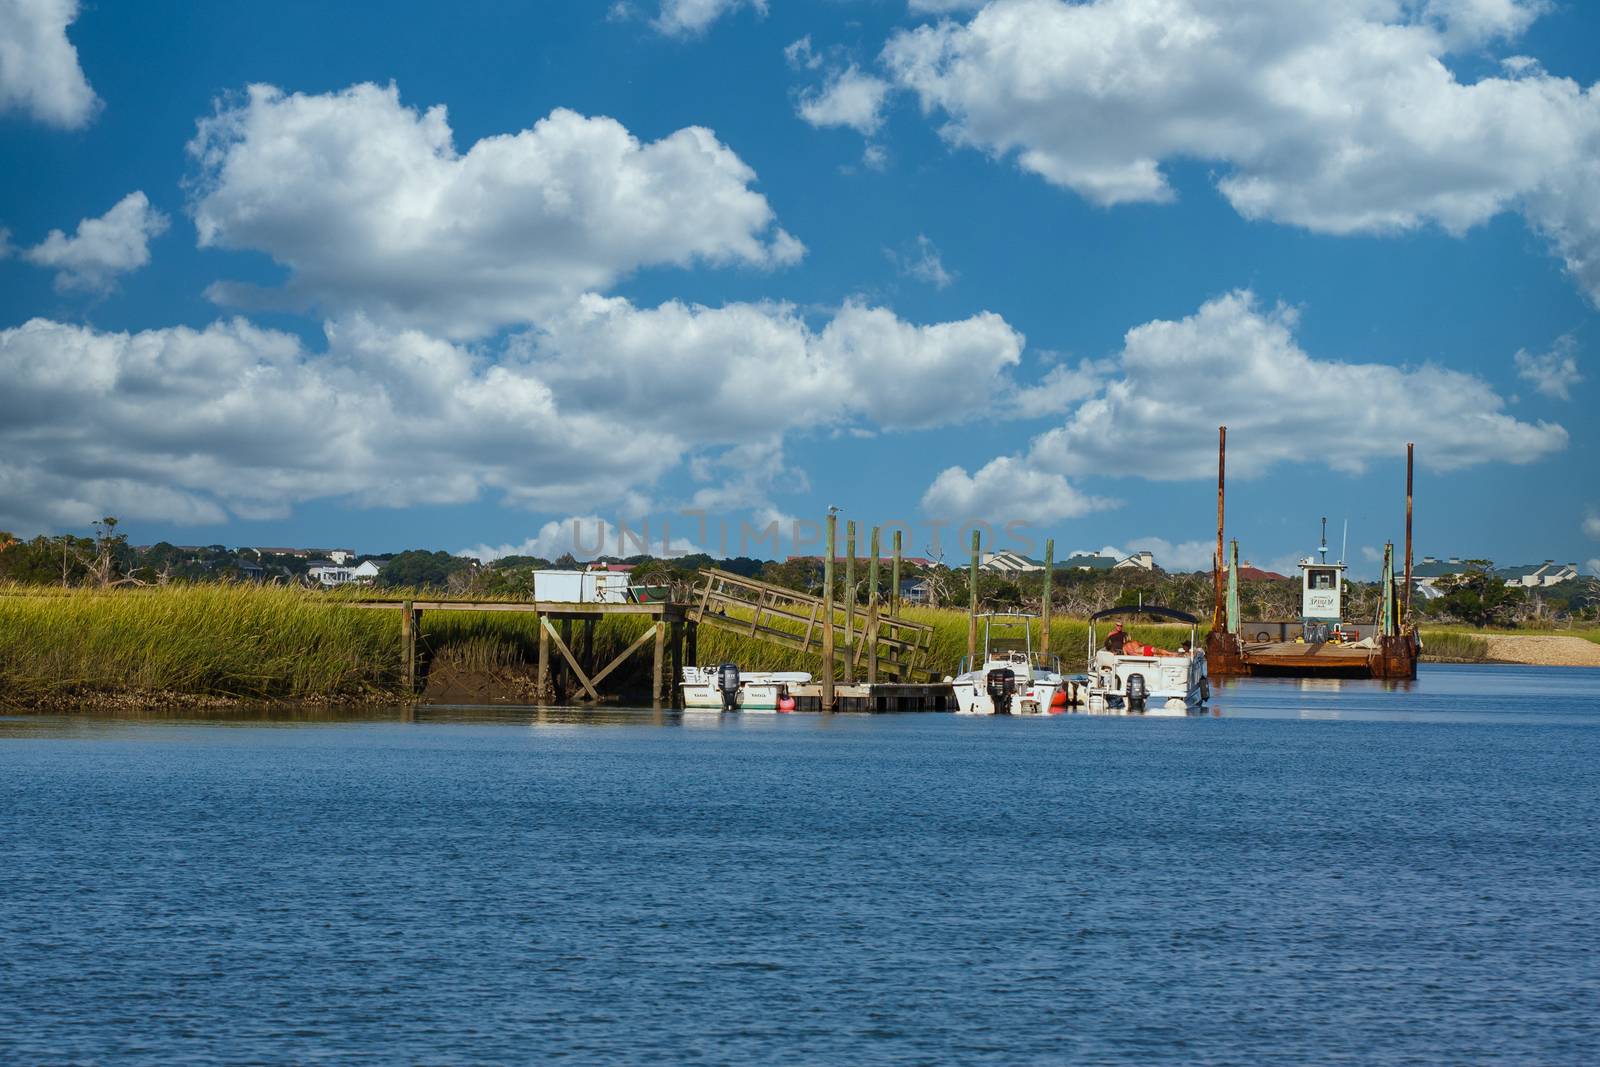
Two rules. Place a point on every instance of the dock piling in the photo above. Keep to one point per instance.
(827, 612)
(972, 605)
(871, 634)
(1405, 601)
(1222, 468)
(408, 646)
(1044, 605)
(894, 578)
(850, 603)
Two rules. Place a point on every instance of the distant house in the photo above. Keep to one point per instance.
(331, 573)
(1427, 575)
(916, 591)
(1538, 575)
(251, 571)
(1139, 561)
(1008, 563)
(1092, 561)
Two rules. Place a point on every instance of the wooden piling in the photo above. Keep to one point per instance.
(1044, 604)
(546, 694)
(827, 612)
(408, 646)
(692, 640)
(676, 676)
(870, 634)
(850, 603)
(972, 605)
(659, 662)
(894, 578)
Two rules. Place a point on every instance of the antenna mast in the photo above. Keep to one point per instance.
(1323, 549)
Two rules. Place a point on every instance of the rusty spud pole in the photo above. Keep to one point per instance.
(1222, 469)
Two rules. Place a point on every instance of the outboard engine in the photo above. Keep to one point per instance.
(728, 686)
(1137, 692)
(1001, 683)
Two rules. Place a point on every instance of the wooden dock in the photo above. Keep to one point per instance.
(882, 696)
(670, 631)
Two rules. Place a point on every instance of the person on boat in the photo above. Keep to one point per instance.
(1116, 640)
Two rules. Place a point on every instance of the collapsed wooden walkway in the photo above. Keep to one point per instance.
(871, 644)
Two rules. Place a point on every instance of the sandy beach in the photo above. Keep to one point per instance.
(1544, 651)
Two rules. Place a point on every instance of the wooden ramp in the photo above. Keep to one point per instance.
(868, 642)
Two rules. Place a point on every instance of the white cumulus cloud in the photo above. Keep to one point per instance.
(1552, 373)
(688, 18)
(921, 260)
(1340, 116)
(1007, 489)
(196, 425)
(39, 72)
(1153, 411)
(371, 207)
(848, 98)
(113, 244)
(1591, 523)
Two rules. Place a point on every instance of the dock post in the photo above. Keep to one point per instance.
(545, 693)
(676, 690)
(660, 662)
(1405, 601)
(1217, 615)
(692, 640)
(972, 606)
(1044, 604)
(850, 603)
(408, 646)
(870, 633)
(894, 578)
(827, 613)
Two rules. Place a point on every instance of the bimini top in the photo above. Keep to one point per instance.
(1130, 609)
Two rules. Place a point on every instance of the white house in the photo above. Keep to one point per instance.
(334, 573)
(1139, 561)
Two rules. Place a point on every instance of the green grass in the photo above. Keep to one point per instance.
(1445, 646)
(272, 643)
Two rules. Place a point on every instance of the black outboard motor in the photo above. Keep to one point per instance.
(1001, 683)
(728, 686)
(1136, 692)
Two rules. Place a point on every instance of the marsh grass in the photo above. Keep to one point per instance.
(273, 643)
(1453, 647)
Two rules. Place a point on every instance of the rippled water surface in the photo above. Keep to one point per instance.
(1330, 874)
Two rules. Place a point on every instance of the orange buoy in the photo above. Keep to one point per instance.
(1060, 699)
(786, 703)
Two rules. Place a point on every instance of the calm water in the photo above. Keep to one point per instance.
(1318, 875)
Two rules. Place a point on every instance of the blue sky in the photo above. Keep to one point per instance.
(1012, 262)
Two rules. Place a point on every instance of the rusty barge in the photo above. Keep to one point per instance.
(1321, 643)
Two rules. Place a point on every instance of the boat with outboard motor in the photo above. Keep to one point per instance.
(726, 688)
(1011, 678)
(1139, 678)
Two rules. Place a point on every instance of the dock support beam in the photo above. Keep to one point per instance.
(972, 606)
(1044, 604)
(546, 693)
(408, 646)
(870, 633)
(827, 612)
(656, 689)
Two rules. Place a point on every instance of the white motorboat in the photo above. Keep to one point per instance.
(1143, 679)
(1011, 678)
(756, 690)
